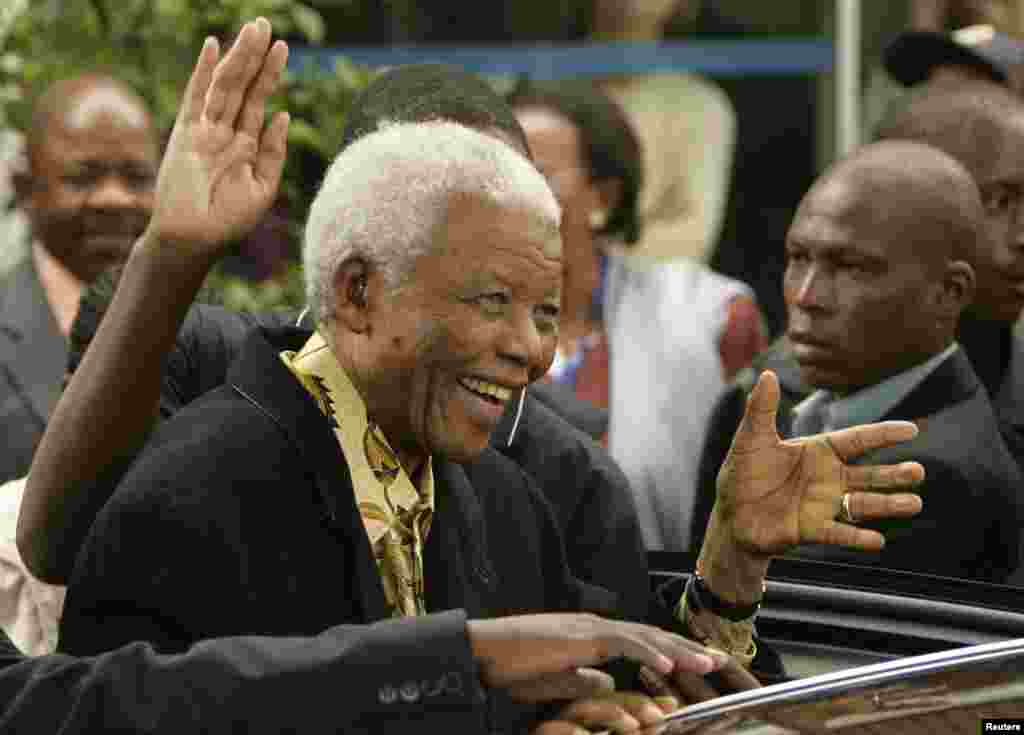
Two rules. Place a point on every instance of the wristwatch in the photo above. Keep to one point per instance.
(700, 597)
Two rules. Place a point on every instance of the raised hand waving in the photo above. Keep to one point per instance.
(774, 494)
(222, 166)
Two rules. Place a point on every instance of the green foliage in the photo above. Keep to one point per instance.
(317, 102)
(237, 294)
(152, 45)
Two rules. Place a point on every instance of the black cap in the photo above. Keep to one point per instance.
(912, 56)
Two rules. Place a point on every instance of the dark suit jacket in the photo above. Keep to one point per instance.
(240, 519)
(331, 683)
(1009, 399)
(590, 496)
(553, 441)
(972, 515)
(590, 419)
(33, 357)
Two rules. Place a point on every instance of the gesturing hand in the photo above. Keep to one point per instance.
(221, 169)
(775, 494)
(614, 712)
(523, 650)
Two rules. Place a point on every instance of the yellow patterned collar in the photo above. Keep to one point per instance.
(381, 485)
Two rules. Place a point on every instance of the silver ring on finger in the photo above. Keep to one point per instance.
(844, 515)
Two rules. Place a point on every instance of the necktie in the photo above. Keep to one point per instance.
(812, 417)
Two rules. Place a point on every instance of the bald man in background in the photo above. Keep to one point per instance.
(878, 275)
(88, 193)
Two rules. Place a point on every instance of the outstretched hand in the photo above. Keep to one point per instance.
(222, 167)
(775, 494)
(539, 657)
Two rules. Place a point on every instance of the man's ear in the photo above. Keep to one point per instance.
(354, 287)
(958, 287)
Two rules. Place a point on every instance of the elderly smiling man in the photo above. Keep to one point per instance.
(322, 483)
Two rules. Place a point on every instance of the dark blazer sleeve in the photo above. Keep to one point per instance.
(604, 544)
(1013, 436)
(354, 679)
(591, 500)
(176, 539)
(210, 339)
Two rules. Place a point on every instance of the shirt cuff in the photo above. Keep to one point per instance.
(735, 638)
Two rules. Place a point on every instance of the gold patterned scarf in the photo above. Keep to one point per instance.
(395, 513)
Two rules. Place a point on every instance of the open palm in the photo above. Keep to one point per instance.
(222, 168)
(776, 494)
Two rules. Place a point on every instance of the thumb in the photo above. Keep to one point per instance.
(761, 411)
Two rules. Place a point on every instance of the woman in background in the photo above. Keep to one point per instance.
(654, 341)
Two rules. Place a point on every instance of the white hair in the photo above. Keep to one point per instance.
(385, 196)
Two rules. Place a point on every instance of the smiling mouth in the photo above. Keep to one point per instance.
(490, 392)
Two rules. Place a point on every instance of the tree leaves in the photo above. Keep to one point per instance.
(152, 45)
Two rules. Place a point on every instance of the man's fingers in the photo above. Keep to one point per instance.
(855, 441)
(874, 506)
(597, 713)
(657, 684)
(225, 76)
(735, 678)
(693, 688)
(876, 478)
(620, 711)
(834, 533)
(255, 54)
(199, 82)
(690, 688)
(578, 684)
(254, 103)
(269, 161)
(236, 71)
(695, 658)
(682, 654)
(639, 706)
(762, 406)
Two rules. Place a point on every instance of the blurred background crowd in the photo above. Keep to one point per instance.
(709, 140)
(679, 174)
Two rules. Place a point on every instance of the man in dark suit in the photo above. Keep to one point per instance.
(259, 684)
(981, 125)
(876, 280)
(323, 481)
(589, 492)
(92, 158)
(32, 356)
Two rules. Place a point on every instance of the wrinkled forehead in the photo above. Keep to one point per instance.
(842, 212)
(499, 219)
(847, 202)
(891, 221)
(103, 103)
(102, 124)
